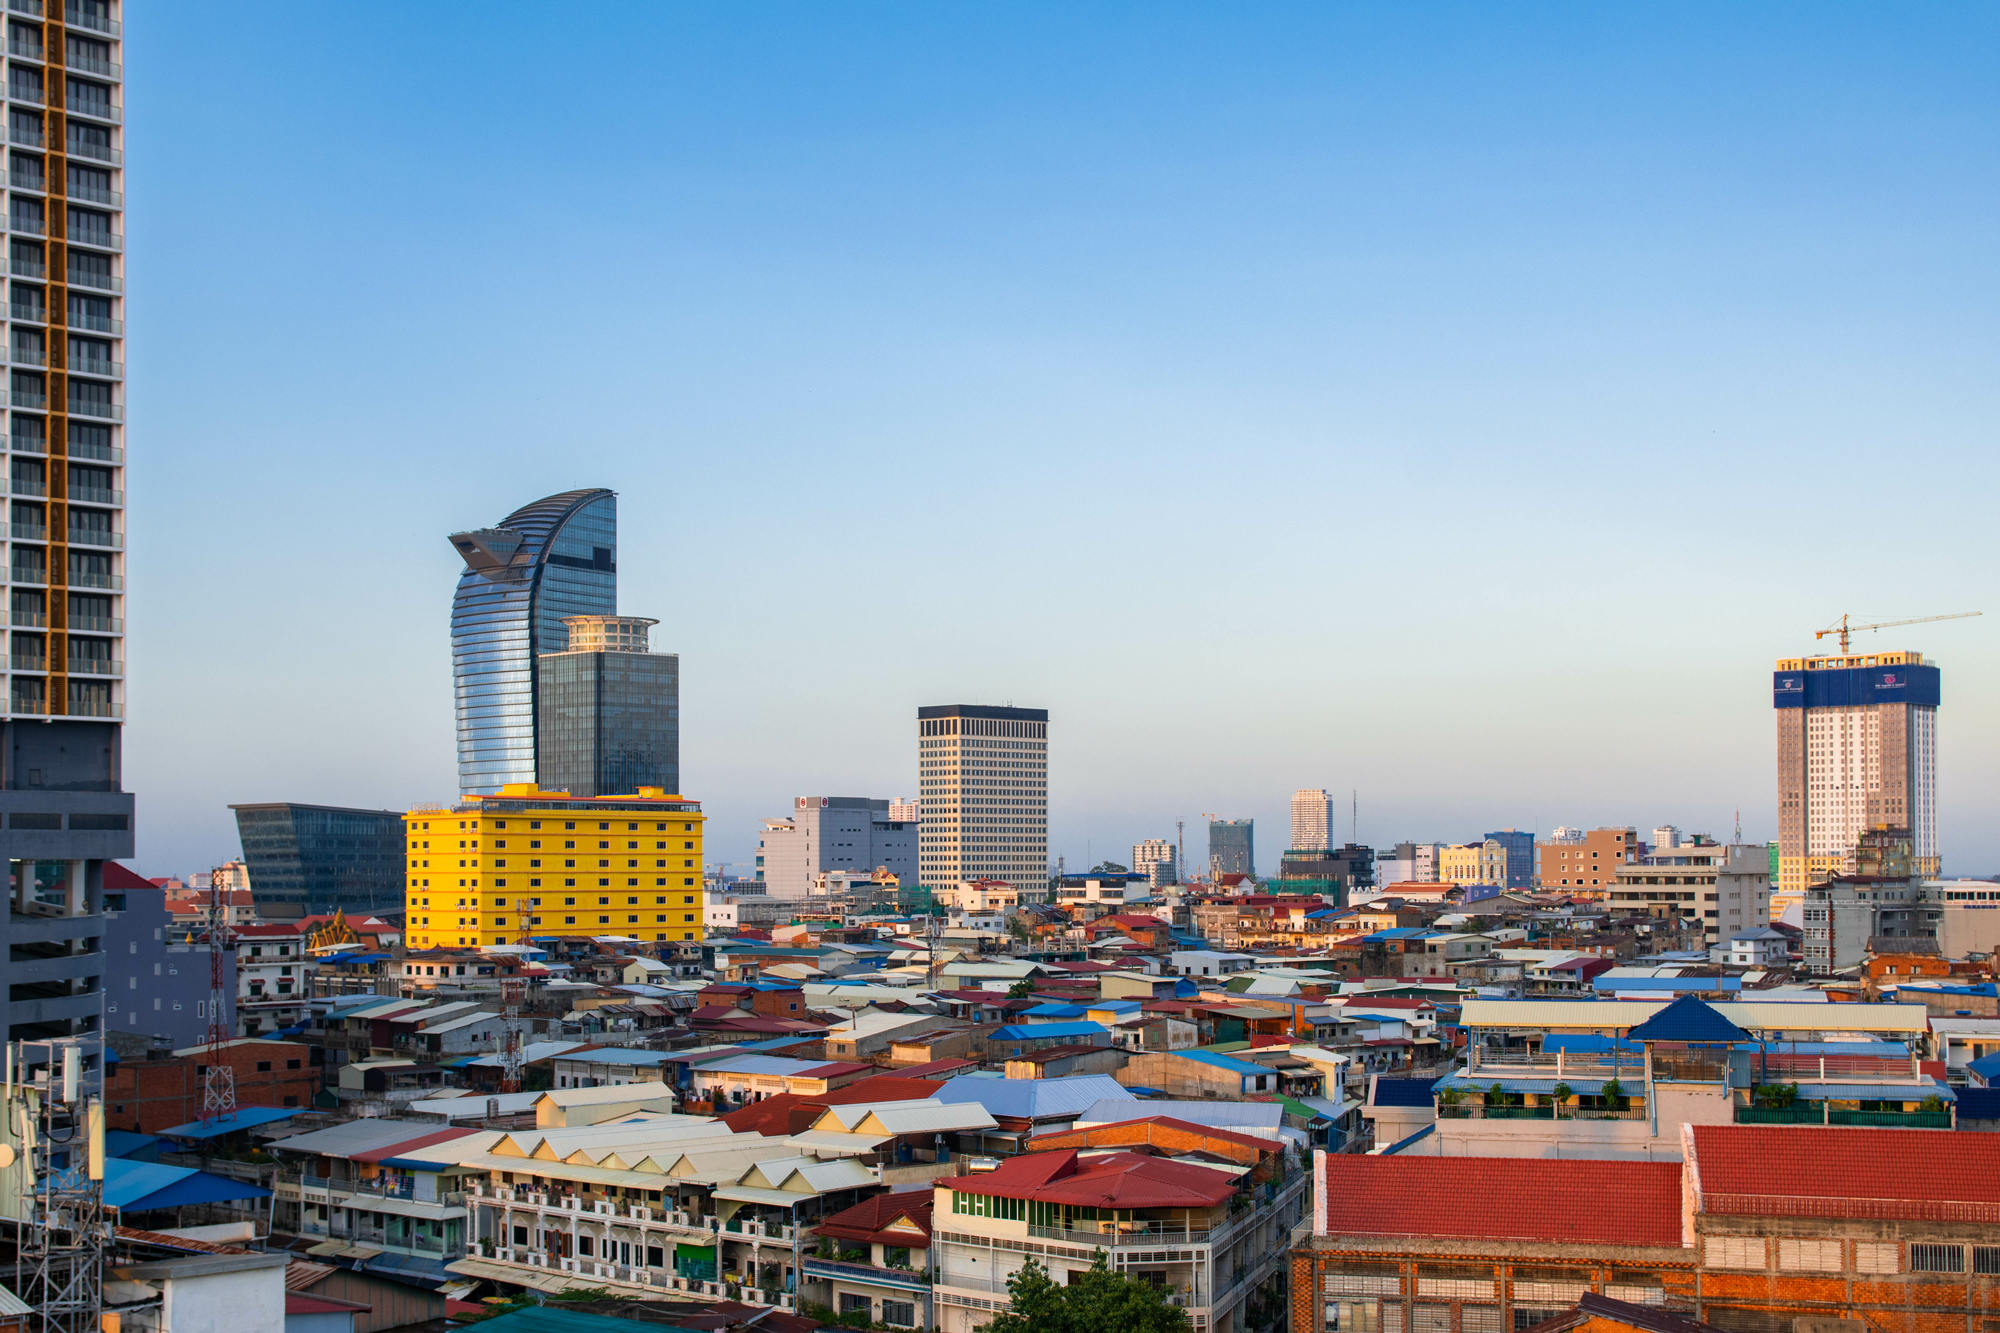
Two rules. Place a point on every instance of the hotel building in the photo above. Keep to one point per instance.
(1857, 748)
(1312, 821)
(523, 862)
(983, 779)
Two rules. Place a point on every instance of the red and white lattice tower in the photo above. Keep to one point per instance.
(510, 1046)
(218, 1086)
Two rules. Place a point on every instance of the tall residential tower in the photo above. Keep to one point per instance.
(607, 715)
(60, 763)
(1312, 821)
(983, 778)
(1857, 748)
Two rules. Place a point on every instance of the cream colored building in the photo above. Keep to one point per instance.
(983, 781)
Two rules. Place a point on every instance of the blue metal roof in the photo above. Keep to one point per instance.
(1667, 983)
(1228, 1062)
(1025, 1031)
(1054, 1010)
(144, 1186)
(1030, 1098)
(1872, 1092)
(1687, 1019)
(1973, 1103)
(245, 1117)
(1986, 1066)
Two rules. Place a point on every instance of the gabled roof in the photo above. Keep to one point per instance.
(1894, 1174)
(1033, 1031)
(886, 1219)
(1576, 1200)
(1113, 1180)
(1688, 1019)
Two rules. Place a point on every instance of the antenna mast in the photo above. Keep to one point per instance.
(218, 1084)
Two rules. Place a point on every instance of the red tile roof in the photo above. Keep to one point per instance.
(1898, 1174)
(1114, 1180)
(869, 1221)
(936, 1069)
(880, 1088)
(1511, 1198)
(770, 1117)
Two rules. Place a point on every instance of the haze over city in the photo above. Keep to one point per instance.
(1465, 407)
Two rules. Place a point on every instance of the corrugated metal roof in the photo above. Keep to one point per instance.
(1872, 1092)
(1036, 1098)
(1620, 1015)
(1026, 1031)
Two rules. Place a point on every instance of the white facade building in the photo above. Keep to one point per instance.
(1666, 835)
(1156, 859)
(1312, 820)
(851, 833)
(983, 778)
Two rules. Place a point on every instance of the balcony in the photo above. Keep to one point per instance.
(23, 92)
(92, 495)
(24, 135)
(94, 323)
(26, 225)
(110, 370)
(27, 268)
(95, 666)
(1820, 1113)
(101, 240)
(32, 707)
(105, 111)
(28, 444)
(95, 152)
(853, 1272)
(78, 190)
(81, 18)
(27, 50)
(79, 407)
(31, 575)
(83, 708)
(38, 401)
(102, 453)
(31, 532)
(33, 313)
(102, 282)
(26, 180)
(109, 69)
(29, 619)
(78, 624)
(30, 487)
(28, 663)
(85, 579)
(29, 356)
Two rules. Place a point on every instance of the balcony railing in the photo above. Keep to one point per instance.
(80, 624)
(18, 663)
(102, 240)
(27, 268)
(102, 282)
(85, 579)
(110, 111)
(83, 18)
(32, 8)
(24, 398)
(97, 152)
(27, 136)
(84, 708)
(95, 194)
(28, 619)
(1819, 1113)
(102, 453)
(30, 575)
(20, 487)
(95, 666)
(77, 319)
(84, 407)
(24, 49)
(33, 532)
(110, 370)
(29, 312)
(28, 356)
(35, 707)
(94, 495)
(27, 225)
(26, 180)
(110, 69)
(24, 92)
(894, 1277)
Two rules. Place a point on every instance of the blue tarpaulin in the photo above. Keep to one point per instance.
(246, 1117)
(140, 1187)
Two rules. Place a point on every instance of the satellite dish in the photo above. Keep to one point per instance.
(6, 1155)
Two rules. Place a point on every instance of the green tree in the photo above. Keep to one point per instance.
(1021, 989)
(1099, 1301)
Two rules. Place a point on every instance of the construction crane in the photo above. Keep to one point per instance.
(1843, 629)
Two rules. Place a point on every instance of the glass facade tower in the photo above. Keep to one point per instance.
(306, 859)
(555, 558)
(609, 711)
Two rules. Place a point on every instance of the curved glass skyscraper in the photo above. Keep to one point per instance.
(554, 558)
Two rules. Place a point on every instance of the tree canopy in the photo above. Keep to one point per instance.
(1099, 1301)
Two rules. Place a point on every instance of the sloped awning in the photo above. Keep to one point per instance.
(143, 1186)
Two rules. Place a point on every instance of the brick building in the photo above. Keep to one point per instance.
(1760, 1225)
(150, 1095)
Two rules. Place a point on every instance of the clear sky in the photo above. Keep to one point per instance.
(1464, 404)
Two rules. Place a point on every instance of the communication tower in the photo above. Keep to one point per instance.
(218, 1084)
(60, 1228)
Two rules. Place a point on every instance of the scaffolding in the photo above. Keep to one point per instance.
(52, 1172)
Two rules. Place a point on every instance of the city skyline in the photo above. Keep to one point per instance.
(1641, 277)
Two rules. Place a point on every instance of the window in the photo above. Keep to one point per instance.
(849, 1302)
(263, 1066)
(901, 1313)
(1814, 1256)
(1937, 1258)
(1986, 1258)
(1735, 1252)
(291, 1064)
(1875, 1256)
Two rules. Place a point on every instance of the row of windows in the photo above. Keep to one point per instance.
(603, 825)
(500, 844)
(603, 882)
(567, 921)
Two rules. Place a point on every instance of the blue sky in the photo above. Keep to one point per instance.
(1462, 404)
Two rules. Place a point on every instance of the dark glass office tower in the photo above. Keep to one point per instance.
(609, 713)
(1232, 847)
(547, 561)
(306, 859)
